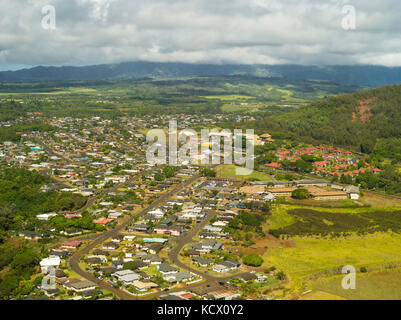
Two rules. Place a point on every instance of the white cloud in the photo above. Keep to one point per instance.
(239, 31)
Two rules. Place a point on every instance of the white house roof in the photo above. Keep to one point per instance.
(156, 212)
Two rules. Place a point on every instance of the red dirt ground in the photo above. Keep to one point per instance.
(263, 244)
(363, 110)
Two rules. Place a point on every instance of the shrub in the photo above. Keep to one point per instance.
(253, 260)
(300, 194)
(363, 270)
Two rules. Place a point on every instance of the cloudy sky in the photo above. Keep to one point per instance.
(308, 32)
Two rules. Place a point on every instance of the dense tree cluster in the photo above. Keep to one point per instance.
(13, 133)
(300, 194)
(253, 260)
(167, 172)
(206, 172)
(23, 263)
(21, 198)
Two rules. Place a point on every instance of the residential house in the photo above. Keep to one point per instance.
(152, 259)
(140, 228)
(110, 246)
(118, 264)
(82, 286)
(179, 277)
(126, 276)
(168, 230)
(165, 269)
(144, 286)
(207, 245)
(222, 294)
(155, 248)
(226, 266)
(74, 244)
(202, 262)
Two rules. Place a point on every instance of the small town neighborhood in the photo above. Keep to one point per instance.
(155, 231)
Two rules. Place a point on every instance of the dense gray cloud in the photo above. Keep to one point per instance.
(217, 31)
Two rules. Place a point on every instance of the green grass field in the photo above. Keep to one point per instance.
(229, 171)
(320, 295)
(379, 285)
(315, 260)
(316, 255)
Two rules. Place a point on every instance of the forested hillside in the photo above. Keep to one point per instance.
(367, 121)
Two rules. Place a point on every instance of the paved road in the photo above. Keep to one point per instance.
(173, 255)
(49, 150)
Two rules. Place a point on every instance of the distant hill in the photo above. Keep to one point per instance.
(355, 75)
(369, 120)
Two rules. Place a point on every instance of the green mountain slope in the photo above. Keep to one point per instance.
(367, 120)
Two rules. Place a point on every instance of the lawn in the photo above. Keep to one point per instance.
(229, 171)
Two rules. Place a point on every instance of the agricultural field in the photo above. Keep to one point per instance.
(165, 96)
(232, 97)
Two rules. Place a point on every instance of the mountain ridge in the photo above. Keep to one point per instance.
(364, 75)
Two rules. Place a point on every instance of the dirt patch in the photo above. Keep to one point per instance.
(262, 244)
(363, 113)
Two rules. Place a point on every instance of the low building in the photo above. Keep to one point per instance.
(282, 192)
(46, 216)
(126, 276)
(180, 277)
(165, 269)
(74, 244)
(110, 246)
(207, 245)
(226, 266)
(222, 295)
(322, 194)
(168, 230)
(202, 262)
(82, 286)
(144, 286)
(141, 228)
